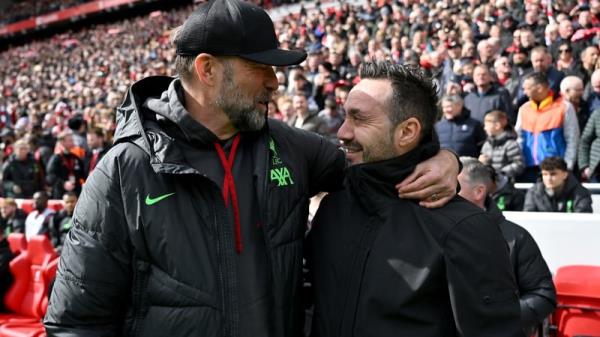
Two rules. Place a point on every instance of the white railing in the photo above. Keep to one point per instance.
(563, 238)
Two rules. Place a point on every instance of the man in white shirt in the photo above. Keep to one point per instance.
(37, 221)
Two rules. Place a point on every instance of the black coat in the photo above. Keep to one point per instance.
(16, 224)
(508, 198)
(383, 266)
(574, 198)
(61, 168)
(141, 261)
(462, 134)
(537, 294)
(27, 174)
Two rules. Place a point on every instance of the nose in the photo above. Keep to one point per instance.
(270, 81)
(346, 131)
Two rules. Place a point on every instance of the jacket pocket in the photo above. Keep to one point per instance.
(500, 296)
(167, 291)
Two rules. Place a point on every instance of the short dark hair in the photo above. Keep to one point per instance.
(554, 163)
(414, 94)
(97, 131)
(70, 194)
(538, 77)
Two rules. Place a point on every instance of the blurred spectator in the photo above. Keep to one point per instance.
(541, 61)
(487, 96)
(558, 191)
(593, 89)
(78, 131)
(21, 174)
(537, 295)
(506, 79)
(65, 171)
(24, 9)
(332, 118)
(272, 112)
(565, 32)
(286, 108)
(457, 130)
(571, 88)
(12, 217)
(566, 61)
(304, 118)
(589, 149)
(589, 57)
(97, 148)
(506, 196)
(546, 125)
(38, 221)
(60, 223)
(501, 149)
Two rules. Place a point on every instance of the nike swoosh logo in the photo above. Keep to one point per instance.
(152, 201)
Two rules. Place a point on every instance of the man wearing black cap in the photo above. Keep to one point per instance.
(192, 224)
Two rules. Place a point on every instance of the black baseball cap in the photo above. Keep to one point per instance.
(234, 28)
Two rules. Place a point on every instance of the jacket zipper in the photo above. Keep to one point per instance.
(265, 213)
(227, 264)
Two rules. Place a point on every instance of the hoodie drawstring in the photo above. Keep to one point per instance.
(229, 188)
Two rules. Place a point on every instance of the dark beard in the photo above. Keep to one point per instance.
(244, 116)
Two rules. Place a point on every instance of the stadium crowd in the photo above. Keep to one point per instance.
(519, 85)
(24, 9)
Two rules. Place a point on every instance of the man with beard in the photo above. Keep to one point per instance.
(192, 223)
(394, 268)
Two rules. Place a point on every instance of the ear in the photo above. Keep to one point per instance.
(206, 67)
(480, 192)
(407, 134)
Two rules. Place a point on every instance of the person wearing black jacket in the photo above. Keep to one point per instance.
(537, 294)
(457, 130)
(12, 218)
(97, 148)
(65, 171)
(557, 190)
(383, 266)
(21, 174)
(193, 223)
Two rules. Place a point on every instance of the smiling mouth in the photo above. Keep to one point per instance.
(351, 149)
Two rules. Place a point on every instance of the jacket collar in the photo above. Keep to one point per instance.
(546, 102)
(502, 138)
(373, 182)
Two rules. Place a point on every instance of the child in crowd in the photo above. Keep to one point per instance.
(501, 149)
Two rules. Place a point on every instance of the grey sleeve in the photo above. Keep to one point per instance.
(516, 163)
(571, 134)
(529, 205)
(587, 137)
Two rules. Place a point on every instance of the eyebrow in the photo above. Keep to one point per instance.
(353, 112)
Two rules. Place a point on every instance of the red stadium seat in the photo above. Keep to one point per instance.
(27, 298)
(25, 204)
(22, 330)
(578, 295)
(17, 242)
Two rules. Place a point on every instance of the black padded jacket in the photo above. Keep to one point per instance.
(133, 266)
